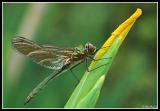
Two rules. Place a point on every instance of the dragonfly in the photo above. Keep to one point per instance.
(52, 57)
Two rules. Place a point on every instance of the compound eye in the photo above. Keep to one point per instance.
(87, 46)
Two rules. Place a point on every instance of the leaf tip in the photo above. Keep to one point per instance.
(139, 11)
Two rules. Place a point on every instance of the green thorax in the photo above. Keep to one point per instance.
(79, 49)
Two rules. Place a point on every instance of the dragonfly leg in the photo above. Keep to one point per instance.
(98, 59)
(72, 71)
(87, 65)
(98, 67)
(97, 49)
(75, 76)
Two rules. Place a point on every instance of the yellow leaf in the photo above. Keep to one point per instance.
(121, 31)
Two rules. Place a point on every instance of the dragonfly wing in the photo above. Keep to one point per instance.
(48, 56)
(25, 46)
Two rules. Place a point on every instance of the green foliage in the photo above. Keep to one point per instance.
(89, 88)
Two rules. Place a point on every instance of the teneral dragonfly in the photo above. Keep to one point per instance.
(52, 57)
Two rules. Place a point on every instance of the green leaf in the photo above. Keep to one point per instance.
(91, 98)
(86, 88)
(87, 92)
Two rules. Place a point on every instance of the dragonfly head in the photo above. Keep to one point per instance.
(90, 49)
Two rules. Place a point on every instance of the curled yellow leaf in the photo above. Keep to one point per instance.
(121, 31)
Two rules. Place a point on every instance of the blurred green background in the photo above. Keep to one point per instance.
(132, 79)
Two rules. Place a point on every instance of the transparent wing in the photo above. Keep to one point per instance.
(48, 56)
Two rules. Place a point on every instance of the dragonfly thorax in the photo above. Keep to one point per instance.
(90, 49)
